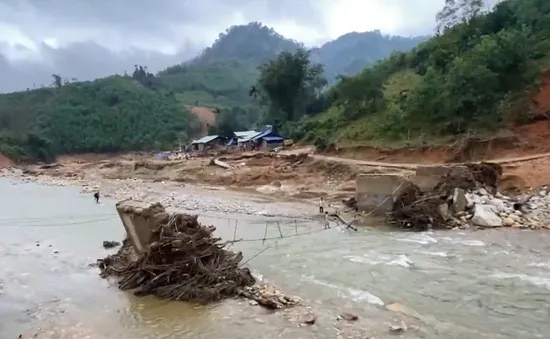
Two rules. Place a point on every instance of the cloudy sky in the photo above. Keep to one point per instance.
(91, 38)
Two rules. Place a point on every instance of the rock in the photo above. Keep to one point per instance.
(444, 211)
(543, 193)
(459, 200)
(485, 216)
(110, 244)
(508, 222)
(308, 319)
(398, 328)
(348, 316)
(482, 192)
(499, 204)
(471, 200)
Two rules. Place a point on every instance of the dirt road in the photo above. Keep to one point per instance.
(413, 166)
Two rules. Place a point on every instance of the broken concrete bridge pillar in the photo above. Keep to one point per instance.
(140, 219)
(377, 192)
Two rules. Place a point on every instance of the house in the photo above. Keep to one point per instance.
(207, 142)
(264, 138)
(268, 139)
(240, 138)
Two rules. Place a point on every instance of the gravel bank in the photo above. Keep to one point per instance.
(214, 200)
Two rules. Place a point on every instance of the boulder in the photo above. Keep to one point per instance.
(459, 200)
(508, 222)
(499, 204)
(486, 216)
(444, 211)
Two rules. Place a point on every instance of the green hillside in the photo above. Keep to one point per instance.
(148, 111)
(222, 75)
(470, 79)
(106, 115)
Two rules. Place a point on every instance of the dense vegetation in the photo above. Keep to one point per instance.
(473, 77)
(147, 111)
(106, 115)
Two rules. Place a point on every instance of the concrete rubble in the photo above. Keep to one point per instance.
(466, 197)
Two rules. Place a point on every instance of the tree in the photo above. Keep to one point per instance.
(457, 11)
(229, 121)
(288, 84)
(57, 81)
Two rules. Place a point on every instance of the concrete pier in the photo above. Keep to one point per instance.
(139, 219)
(427, 177)
(377, 192)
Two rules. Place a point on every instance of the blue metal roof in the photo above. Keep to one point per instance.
(206, 139)
(265, 133)
(273, 139)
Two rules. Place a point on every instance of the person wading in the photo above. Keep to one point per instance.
(327, 225)
(321, 205)
(96, 197)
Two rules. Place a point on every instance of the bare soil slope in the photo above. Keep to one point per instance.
(5, 162)
(206, 116)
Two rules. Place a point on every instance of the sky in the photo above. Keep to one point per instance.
(90, 38)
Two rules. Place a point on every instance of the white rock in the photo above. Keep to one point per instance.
(508, 222)
(543, 193)
(486, 216)
(514, 217)
(482, 191)
(499, 204)
(471, 200)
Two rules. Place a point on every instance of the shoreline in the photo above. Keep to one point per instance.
(186, 197)
(270, 185)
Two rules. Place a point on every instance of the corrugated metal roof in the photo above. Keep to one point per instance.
(206, 139)
(245, 134)
(273, 139)
(264, 133)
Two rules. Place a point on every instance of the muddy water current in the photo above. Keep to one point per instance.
(479, 284)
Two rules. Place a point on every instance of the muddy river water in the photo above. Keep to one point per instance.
(478, 284)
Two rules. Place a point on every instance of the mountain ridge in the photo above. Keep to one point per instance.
(89, 61)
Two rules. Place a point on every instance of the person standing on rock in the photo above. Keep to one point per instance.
(321, 205)
(96, 197)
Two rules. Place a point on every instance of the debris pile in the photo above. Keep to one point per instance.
(268, 296)
(184, 261)
(466, 195)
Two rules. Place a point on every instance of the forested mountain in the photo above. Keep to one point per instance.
(145, 110)
(352, 52)
(106, 115)
(223, 73)
(478, 75)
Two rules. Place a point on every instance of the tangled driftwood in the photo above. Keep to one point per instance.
(183, 262)
(419, 211)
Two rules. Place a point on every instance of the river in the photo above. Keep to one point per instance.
(475, 284)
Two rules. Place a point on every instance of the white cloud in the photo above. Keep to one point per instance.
(166, 25)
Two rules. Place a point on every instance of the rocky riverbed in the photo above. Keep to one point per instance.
(175, 195)
(483, 209)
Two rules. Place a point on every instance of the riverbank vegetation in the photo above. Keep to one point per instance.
(477, 75)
